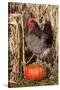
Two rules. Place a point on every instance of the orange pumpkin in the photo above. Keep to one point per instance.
(35, 72)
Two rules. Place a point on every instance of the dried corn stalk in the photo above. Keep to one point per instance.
(14, 48)
(23, 48)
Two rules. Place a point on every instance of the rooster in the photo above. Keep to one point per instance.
(38, 41)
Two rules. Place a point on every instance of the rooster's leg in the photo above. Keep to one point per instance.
(39, 61)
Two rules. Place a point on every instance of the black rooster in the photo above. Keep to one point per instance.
(38, 41)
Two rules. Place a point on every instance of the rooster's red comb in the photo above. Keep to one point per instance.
(31, 24)
(30, 20)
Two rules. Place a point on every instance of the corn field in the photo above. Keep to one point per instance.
(17, 12)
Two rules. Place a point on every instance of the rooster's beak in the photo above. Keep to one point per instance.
(41, 25)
